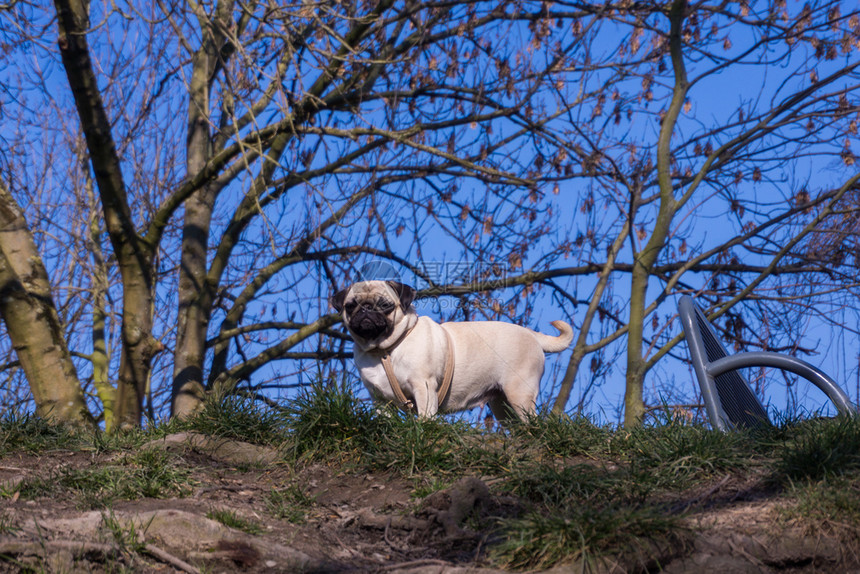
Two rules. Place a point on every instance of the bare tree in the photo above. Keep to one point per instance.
(250, 157)
(32, 323)
(669, 182)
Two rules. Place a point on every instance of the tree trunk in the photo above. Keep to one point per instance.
(134, 254)
(195, 305)
(100, 357)
(643, 261)
(33, 323)
(196, 294)
(138, 344)
(634, 404)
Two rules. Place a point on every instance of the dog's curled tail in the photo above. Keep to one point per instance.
(558, 343)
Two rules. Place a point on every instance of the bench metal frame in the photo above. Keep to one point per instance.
(729, 401)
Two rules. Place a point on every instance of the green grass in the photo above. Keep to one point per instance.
(329, 423)
(150, 473)
(425, 486)
(582, 492)
(584, 488)
(8, 524)
(240, 418)
(818, 449)
(559, 486)
(126, 536)
(231, 519)
(677, 456)
(327, 420)
(832, 503)
(818, 466)
(291, 503)
(599, 491)
(584, 533)
(565, 436)
(28, 433)
(412, 446)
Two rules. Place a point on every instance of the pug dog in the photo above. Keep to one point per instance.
(494, 363)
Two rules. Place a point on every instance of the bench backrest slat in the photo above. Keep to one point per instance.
(737, 400)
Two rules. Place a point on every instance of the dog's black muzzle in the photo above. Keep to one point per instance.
(368, 323)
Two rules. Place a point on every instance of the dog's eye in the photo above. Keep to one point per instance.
(350, 307)
(385, 306)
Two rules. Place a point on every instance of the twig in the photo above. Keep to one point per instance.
(388, 540)
(79, 547)
(737, 548)
(168, 558)
(479, 548)
(413, 564)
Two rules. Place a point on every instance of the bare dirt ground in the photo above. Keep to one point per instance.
(347, 522)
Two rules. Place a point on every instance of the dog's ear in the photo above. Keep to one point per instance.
(405, 293)
(337, 300)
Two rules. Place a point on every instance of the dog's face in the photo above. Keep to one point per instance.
(372, 309)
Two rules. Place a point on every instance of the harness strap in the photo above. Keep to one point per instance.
(441, 393)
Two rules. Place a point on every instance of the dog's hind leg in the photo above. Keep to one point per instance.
(518, 400)
(501, 409)
(508, 406)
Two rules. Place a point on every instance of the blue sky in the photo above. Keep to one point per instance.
(438, 239)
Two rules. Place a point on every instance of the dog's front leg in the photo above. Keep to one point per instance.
(426, 401)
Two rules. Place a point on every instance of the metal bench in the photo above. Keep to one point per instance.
(727, 395)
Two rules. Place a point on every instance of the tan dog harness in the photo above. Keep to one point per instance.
(402, 401)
